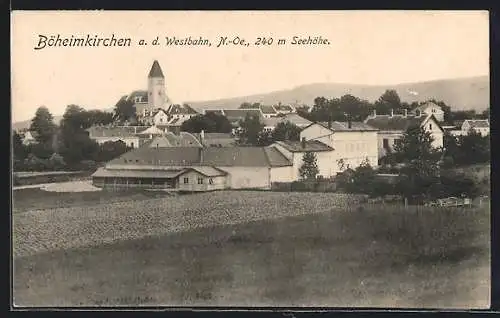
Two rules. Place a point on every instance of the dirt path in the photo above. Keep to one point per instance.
(69, 186)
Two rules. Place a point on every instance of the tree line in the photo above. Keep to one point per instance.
(67, 145)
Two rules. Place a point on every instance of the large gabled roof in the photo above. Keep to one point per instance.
(308, 146)
(266, 109)
(478, 123)
(191, 156)
(340, 126)
(181, 109)
(104, 131)
(156, 70)
(395, 123)
(169, 139)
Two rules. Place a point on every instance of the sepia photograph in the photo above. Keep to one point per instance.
(248, 159)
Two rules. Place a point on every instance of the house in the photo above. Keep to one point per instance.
(181, 113)
(129, 135)
(169, 139)
(28, 137)
(194, 168)
(391, 128)
(268, 111)
(352, 144)
(294, 151)
(214, 111)
(272, 122)
(429, 108)
(151, 132)
(216, 139)
(284, 109)
(480, 126)
(234, 116)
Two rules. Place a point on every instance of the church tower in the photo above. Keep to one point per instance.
(157, 97)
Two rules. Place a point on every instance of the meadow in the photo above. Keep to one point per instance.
(244, 248)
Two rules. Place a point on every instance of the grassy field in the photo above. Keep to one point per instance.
(247, 249)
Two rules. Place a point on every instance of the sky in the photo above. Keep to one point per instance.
(366, 47)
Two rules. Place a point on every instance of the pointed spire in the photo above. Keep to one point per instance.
(156, 70)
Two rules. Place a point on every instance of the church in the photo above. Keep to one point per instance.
(154, 107)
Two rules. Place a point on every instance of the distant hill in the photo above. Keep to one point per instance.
(460, 94)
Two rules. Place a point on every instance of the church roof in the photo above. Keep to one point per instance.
(156, 70)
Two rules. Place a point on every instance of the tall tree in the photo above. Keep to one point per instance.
(285, 131)
(473, 148)
(420, 160)
(124, 110)
(387, 101)
(19, 150)
(485, 114)
(251, 128)
(309, 168)
(43, 125)
(210, 122)
(75, 144)
(98, 117)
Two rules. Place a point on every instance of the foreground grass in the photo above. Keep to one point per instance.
(358, 256)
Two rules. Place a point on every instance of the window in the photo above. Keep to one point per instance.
(433, 110)
(385, 143)
(132, 144)
(430, 126)
(211, 181)
(200, 180)
(186, 180)
(397, 141)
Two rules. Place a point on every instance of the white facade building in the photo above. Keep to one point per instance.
(391, 128)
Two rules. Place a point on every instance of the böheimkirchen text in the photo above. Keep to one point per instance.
(45, 41)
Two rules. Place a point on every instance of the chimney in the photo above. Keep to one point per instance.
(303, 142)
(374, 113)
(200, 153)
(202, 137)
(329, 124)
(349, 123)
(405, 113)
(392, 112)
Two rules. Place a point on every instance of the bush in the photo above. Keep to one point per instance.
(84, 165)
(57, 162)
